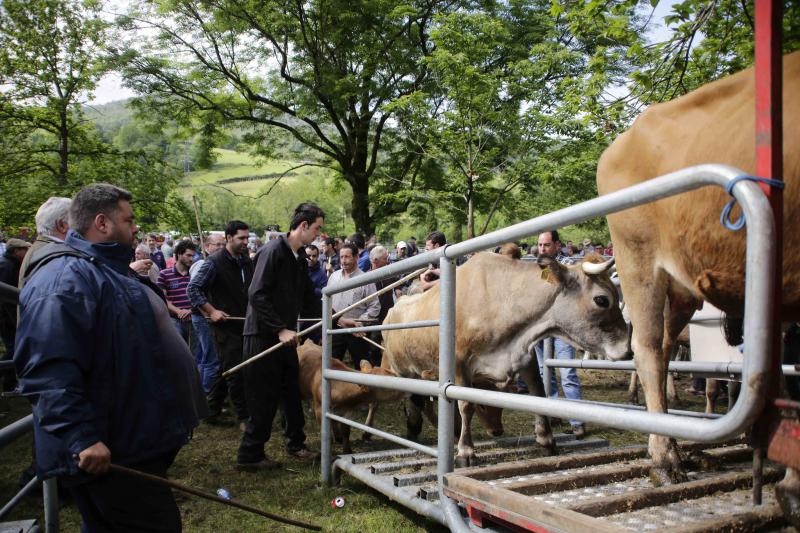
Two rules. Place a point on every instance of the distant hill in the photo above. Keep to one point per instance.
(239, 172)
(110, 116)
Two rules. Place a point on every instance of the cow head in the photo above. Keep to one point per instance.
(491, 419)
(381, 394)
(586, 308)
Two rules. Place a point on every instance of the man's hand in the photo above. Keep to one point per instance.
(347, 323)
(142, 266)
(350, 323)
(95, 459)
(218, 316)
(288, 337)
(183, 314)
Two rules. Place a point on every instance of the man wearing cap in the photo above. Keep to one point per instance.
(401, 252)
(10, 264)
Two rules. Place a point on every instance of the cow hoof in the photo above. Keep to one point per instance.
(660, 476)
(787, 492)
(463, 461)
(697, 460)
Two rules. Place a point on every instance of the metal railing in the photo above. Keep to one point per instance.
(757, 323)
(9, 434)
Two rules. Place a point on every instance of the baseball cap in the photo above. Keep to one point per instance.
(13, 244)
(402, 244)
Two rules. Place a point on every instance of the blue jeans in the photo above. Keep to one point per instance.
(569, 376)
(204, 353)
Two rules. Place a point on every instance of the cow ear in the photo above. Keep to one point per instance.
(552, 271)
(365, 365)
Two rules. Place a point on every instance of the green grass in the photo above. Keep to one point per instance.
(207, 464)
(232, 164)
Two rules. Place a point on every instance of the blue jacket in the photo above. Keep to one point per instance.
(318, 278)
(90, 359)
(364, 264)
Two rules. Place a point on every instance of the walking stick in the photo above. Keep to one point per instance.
(208, 496)
(319, 324)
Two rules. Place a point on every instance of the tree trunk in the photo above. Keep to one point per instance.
(63, 148)
(359, 207)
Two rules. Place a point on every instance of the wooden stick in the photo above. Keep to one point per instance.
(199, 229)
(227, 318)
(319, 324)
(372, 342)
(208, 496)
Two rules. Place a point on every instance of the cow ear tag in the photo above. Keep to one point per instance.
(546, 274)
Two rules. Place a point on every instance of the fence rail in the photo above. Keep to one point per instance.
(760, 258)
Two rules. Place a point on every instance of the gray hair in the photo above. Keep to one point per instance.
(92, 200)
(50, 213)
(143, 248)
(377, 251)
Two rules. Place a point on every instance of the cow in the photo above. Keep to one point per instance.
(503, 307)
(344, 396)
(675, 251)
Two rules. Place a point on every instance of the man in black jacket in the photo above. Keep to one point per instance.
(219, 290)
(280, 291)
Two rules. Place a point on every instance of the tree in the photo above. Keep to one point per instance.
(710, 39)
(517, 100)
(50, 57)
(323, 71)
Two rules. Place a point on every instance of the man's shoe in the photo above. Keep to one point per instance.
(263, 464)
(579, 431)
(305, 454)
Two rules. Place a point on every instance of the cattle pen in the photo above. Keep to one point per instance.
(755, 369)
(507, 494)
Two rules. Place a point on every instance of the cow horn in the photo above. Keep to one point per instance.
(597, 268)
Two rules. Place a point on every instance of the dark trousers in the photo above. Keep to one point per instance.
(359, 348)
(229, 352)
(8, 334)
(121, 504)
(269, 383)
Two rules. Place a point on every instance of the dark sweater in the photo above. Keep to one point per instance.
(280, 291)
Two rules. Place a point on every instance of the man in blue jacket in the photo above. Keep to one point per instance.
(108, 376)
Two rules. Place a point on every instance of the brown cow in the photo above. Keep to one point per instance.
(344, 396)
(675, 251)
(503, 306)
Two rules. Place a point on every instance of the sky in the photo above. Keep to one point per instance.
(110, 87)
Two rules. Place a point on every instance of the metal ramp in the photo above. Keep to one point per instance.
(409, 477)
(611, 490)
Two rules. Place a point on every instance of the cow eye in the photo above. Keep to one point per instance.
(602, 301)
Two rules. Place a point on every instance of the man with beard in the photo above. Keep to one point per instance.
(107, 374)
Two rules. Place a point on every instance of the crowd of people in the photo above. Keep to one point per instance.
(123, 345)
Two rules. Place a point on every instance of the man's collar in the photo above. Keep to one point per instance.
(115, 255)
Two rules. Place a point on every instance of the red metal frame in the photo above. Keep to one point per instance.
(769, 164)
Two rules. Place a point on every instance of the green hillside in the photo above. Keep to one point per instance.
(239, 173)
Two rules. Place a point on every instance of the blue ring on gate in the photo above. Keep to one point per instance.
(724, 217)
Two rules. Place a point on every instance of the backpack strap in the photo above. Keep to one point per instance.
(47, 253)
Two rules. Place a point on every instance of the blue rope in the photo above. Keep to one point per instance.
(724, 217)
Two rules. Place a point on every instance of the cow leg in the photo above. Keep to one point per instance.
(633, 389)
(344, 435)
(733, 393)
(672, 392)
(787, 492)
(414, 408)
(466, 448)
(646, 307)
(542, 429)
(370, 421)
(712, 393)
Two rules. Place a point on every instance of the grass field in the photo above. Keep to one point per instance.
(232, 164)
(207, 464)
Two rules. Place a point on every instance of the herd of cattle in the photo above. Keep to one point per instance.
(671, 256)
